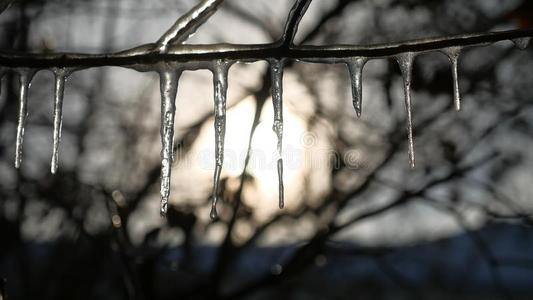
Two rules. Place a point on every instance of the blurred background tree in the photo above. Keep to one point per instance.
(358, 222)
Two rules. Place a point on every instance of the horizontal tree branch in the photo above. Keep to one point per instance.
(196, 54)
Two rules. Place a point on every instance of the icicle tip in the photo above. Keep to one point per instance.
(213, 214)
(163, 209)
(281, 192)
(412, 163)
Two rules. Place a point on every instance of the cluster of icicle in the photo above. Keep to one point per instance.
(25, 76)
(169, 77)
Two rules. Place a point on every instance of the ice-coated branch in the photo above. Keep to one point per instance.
(293, 20)
(193, 53)
(187, 24)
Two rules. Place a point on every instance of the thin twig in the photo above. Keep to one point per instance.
(187, 24)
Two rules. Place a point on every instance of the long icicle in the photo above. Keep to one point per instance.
(60, 78)
(276, 73)
(355, 67)
(25, 77)
(405, 61)
(220, 83)
(169, 86)
(453, 54)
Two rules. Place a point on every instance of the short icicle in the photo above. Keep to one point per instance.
(355, 67)
(60, 78)
(220, 83)
(453, 54)
(25, 77)
(405, 61)
(276, 73)
(169, 86)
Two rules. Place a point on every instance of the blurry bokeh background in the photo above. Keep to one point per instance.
(358, 222)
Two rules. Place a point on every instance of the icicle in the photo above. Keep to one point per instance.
(276, 73)
(405, 61)
(453, 54)
(220, 83)
(169, 87)
(25, 77)
(60, 78)
(355, 67)
(521, 43)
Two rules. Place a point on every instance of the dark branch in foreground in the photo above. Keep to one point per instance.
(195, 54)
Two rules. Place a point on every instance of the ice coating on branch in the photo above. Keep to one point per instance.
(453, 54)
(521, 43)
(220, 84)
(276, 73)
(296, 14)
(25, 77)
(355, 67)
(169, 86)
(60, 78)
(188, 23)
(405, 61)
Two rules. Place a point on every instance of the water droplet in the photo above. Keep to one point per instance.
(276, 269)
(213, 214)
